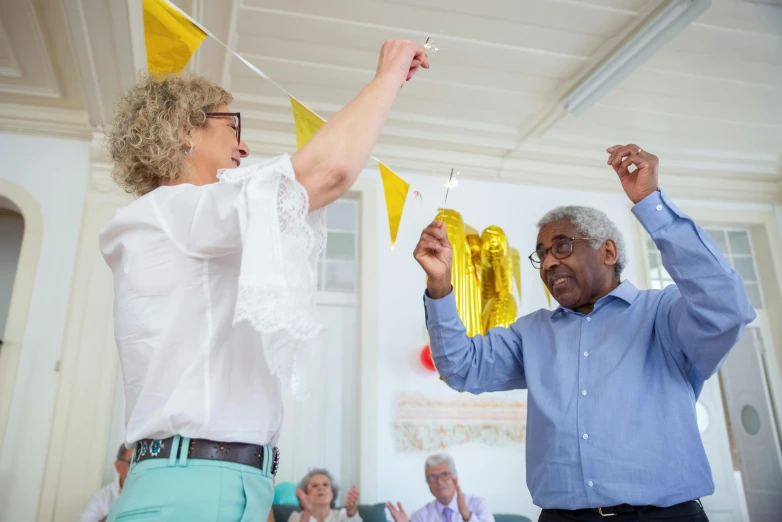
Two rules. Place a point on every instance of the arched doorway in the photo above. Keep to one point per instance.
(11, 233)
(16, 204)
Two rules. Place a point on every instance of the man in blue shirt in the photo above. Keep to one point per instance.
(614, 373)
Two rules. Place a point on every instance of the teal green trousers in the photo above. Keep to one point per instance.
(194, 490)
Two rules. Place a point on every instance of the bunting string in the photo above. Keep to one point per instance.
(172, 37)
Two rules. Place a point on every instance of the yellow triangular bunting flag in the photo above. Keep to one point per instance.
(395, 190)
(171, 38)
(307, 122)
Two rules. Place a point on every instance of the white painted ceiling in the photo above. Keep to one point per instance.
(709, 103)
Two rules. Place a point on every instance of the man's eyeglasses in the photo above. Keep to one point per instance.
(434, 477)
(237, 125)
(560, 249)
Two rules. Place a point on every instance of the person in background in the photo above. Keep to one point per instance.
(98, 505)
(317, 493)
(450, 504)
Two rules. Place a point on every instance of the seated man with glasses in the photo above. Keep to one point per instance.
(100, 502)
(614, 372)
(450, 503)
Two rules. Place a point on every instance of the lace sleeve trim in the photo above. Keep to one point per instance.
(281, 243)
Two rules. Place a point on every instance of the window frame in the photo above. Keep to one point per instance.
(342, 297)
(764, 225)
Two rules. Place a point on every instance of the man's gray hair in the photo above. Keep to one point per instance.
(440, 458)
(305, 483)
(591, 223)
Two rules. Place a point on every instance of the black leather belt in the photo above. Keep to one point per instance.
(237, 452)
(685, 508)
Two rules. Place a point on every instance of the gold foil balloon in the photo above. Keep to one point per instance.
(464, 277)
(499, 305)
(499, 311)
(474, 240)
(484, 267)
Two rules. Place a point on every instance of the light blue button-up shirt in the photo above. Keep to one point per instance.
(611, 401)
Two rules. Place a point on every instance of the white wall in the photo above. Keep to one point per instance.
(497, 473)
(55, 173)
(11, 230)
(778, 212)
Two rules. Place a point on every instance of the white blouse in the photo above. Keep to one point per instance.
(213, 301)
(336, 515)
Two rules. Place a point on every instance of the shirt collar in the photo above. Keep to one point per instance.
(440, 508)
(626, 291)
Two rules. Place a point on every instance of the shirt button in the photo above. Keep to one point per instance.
(583, 392)
(586, 354)
(589, 318)
(590, 483)
(659, 208)
(585, 436)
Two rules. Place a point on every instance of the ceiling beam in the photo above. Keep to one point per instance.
(555, 112)
(101, 40)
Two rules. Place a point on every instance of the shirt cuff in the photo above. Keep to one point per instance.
(440, 310)
(656, 211)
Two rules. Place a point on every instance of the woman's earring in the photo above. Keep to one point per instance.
(189, 150)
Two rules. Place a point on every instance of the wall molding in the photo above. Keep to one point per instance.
(45, 121)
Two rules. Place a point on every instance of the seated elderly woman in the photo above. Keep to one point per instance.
(317, 494)
(214, 283)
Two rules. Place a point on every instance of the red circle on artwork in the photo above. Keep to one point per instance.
(426, 359)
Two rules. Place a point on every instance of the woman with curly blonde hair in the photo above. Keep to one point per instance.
(214, 283)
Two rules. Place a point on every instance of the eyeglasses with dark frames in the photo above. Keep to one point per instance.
(560, 249)
(237, 126)
(434, 477)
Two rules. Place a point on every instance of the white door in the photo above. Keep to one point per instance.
(756, 441)
(724, 504)
(323, 431)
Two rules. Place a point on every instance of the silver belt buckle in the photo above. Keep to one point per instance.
(600, 510)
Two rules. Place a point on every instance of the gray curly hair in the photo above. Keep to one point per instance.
(591, 223)
(305, 483)
(147, 139)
